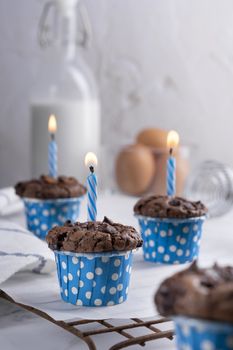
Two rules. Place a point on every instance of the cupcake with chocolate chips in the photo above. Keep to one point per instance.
(200, 300)
(94, 261)
(171, 228)
(50, 201)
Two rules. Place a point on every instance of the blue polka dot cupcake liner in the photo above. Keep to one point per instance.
(196, 334)
(94, 279)
(42, 215)
(171, 241)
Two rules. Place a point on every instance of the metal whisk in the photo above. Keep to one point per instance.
(212, 183)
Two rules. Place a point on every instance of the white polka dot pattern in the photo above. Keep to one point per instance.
(120, 286)
(90, 275)
(187, 253)
(80, 284)
(202, 335)
(180, 252)
(65, 279)
(161, 249)
(172, 241)
(172, 248)
(183, 241)
(151, 243)
(89, 257)
(88, 295)
(36, 222)
(148, 232)
(103, 289)
(89, 281)
(207, 345)
(44, 227)
(74, 290)
(105, 259)
(185, 330)
(43, 215)
(112, 290)
(117, 262)
(114, 276)
(170, 232)
(163, 233)
(74, 260)
(98, 271)
(185, 229)
(70, 277)
(121, 299)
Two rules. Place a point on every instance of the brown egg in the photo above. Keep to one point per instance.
(159, 185)
(135, 168)
(152, 137)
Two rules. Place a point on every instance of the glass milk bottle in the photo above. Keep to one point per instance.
(65, 88)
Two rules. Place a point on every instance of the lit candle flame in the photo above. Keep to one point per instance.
(52, 124)
(91, 160)
(172, 139)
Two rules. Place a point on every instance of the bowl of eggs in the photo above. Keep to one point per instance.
(140, 168)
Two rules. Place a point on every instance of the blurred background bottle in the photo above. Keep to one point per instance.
(66, 88)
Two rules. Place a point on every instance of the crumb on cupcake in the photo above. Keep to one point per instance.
(93, 236)
(205, 293)
(47, 187)
(169, 207)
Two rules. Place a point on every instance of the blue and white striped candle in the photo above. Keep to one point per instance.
(52, 150)
(171, 176)
(172, 142)
(91, 161)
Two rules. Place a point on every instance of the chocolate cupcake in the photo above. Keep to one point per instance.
(201, 303)
(94, 261)
(171, 228)
(47, 187)
(50, 201)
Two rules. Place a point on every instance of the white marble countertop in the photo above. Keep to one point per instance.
(20, 329)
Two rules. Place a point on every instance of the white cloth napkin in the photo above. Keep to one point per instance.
(10, 203)
(21, 251)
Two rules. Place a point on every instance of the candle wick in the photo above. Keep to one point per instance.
(170, 151)
(91, 169)
(52, 136)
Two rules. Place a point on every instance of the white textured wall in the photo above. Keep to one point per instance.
(166, 63)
